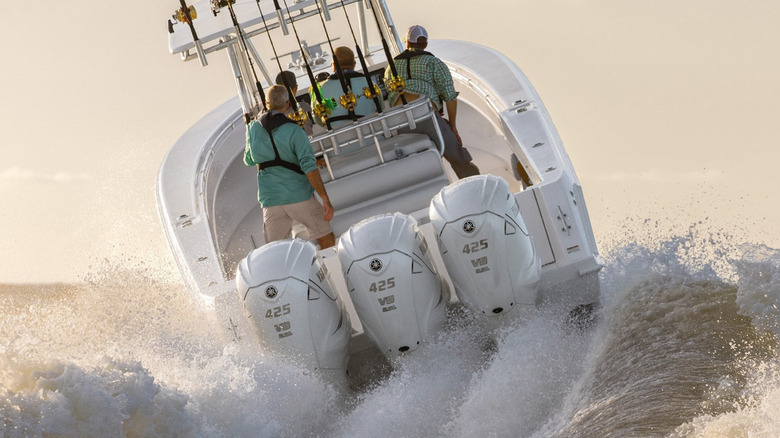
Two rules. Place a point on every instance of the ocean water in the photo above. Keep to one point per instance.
(685, 345)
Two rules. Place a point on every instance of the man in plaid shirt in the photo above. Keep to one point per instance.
(427, 75)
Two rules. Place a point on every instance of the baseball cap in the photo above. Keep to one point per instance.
(415, 33)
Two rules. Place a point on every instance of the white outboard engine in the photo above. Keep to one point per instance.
(286, 293)
(486, 247)
(397, 293)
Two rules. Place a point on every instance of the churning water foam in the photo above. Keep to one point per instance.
(685, 346)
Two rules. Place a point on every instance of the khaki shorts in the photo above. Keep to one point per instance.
(277, 220)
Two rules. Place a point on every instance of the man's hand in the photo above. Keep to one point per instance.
(455, 131)
(316, 181)
(452, 115)
(328, 209)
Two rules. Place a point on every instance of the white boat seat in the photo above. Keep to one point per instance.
(360, 184)
(367, 157)
(364, 187)
(404, 185)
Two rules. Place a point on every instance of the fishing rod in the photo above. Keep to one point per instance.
(372, 90)
(323, 107)
(215, 8)
(347, 100)
(186, 14)
(396, 83)
(298, 115)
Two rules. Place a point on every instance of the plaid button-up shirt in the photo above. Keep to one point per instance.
(430, 77)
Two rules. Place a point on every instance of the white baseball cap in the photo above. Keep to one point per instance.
(416, 32)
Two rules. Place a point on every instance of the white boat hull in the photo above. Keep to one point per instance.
(207, 204)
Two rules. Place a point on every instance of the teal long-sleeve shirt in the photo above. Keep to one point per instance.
(331, 88)
(277, 185)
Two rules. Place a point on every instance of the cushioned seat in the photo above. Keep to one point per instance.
(404, 185)
(366, 157)
(363, 184)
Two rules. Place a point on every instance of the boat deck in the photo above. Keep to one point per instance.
(371, 187)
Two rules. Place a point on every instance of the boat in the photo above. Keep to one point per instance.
(522, 226)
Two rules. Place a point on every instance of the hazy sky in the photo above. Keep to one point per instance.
(667, 108)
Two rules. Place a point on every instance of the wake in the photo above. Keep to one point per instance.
(685, 345)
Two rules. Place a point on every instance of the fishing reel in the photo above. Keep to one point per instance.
(324, 105)
(300, 117)
(323, 109)
(372, 92)
(396, 84)
(216, 5)
(181, 16)
(348, 101)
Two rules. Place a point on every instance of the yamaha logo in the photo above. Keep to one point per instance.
(271, 292)
(375, 265)
(468, 226)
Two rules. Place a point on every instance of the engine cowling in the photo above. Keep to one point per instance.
(286, 293)
(395, 288)
(486, 247)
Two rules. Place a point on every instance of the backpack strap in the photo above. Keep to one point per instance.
(269, 122)
(408, 54)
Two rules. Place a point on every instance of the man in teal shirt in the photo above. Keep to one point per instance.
(287, 174)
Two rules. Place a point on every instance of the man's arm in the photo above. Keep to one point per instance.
(248, 159)
(306, 161)
(316, 181)
(445, 88)
(452, 113)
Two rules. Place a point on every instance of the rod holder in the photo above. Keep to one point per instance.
(201, 54)
(282, 21)
(323, 5)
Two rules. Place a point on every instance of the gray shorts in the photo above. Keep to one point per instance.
(277, 220)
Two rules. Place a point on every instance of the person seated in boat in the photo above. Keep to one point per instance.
(426, 75)
(287, 175)
(331, 88)
(292, 82)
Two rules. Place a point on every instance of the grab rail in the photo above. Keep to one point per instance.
(370, 128)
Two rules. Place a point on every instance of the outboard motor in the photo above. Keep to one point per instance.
(397, 293)
(486, 247)
(286, 293)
